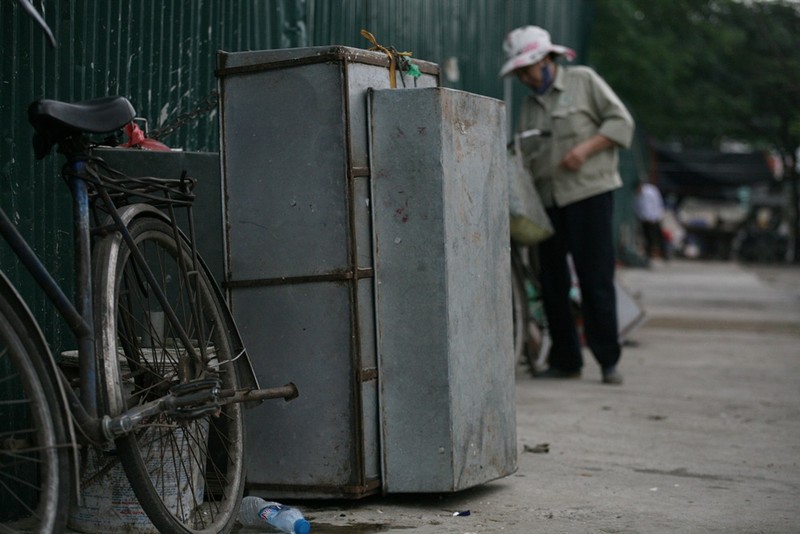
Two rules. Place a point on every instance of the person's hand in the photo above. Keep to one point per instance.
(577, 155)
(575, 158)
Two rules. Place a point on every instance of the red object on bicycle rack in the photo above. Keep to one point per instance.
(137, 139)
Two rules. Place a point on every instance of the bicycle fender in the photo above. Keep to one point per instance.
(33, 333)
(247, 376)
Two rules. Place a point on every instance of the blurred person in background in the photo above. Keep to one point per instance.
(648, 205)
(574, 163)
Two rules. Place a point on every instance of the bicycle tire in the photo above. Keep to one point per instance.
(34, 457)
(533, 348)
(203, 455)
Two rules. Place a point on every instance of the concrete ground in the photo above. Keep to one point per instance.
(704, 436)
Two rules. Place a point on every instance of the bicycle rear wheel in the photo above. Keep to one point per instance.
(528, 335)
(519, 302)
(34, 460)
(187, 472)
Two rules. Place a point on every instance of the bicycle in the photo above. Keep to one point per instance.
(532, 226)
(530, 323)
(162, 371)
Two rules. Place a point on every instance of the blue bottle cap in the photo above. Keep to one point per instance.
(301, 526)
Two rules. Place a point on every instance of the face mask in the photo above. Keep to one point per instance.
(547, 80)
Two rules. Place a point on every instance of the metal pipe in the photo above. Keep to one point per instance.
(42, 277)
(287, 392)
(87, 362)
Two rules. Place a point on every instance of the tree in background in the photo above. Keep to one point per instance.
(699, 72)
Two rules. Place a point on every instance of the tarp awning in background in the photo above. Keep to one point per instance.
(709, 171)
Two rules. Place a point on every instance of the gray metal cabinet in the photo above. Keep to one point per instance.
(299, 268)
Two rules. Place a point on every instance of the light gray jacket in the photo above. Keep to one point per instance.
(579, 105)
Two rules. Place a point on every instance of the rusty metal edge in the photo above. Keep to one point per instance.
(333, 54)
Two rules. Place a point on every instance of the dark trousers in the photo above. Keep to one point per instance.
(584, 230)
(654, 239)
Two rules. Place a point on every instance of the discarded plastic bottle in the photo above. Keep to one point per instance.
(256, 511)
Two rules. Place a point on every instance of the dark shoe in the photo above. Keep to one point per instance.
(612, 377)
(558, 374)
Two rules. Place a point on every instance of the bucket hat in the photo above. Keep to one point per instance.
(529, 45)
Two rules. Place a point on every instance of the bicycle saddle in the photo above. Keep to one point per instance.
(54, 120)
